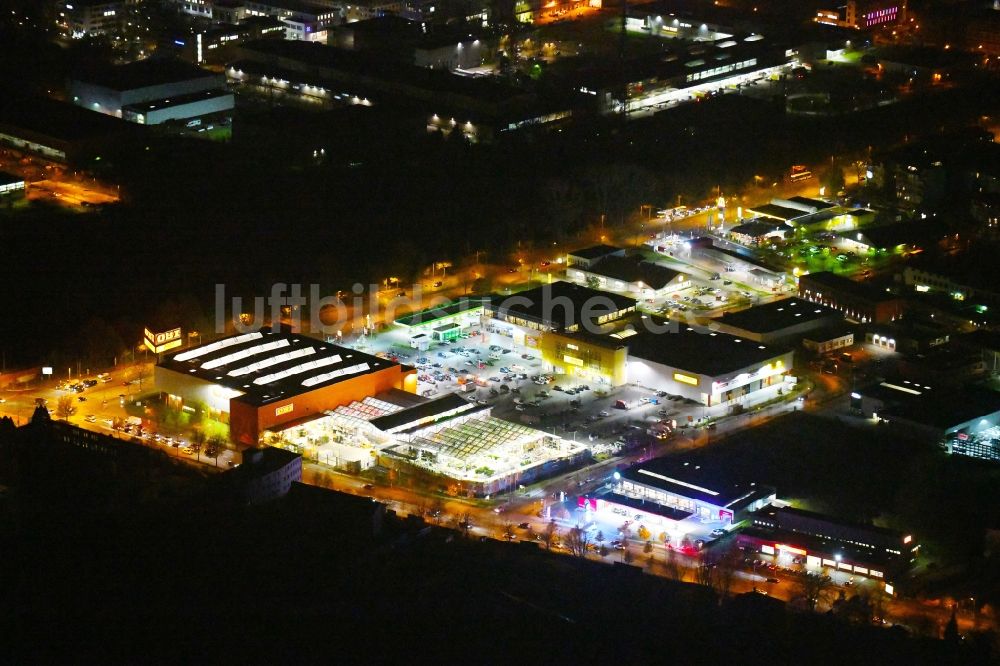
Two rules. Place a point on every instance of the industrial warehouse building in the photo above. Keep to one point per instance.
(11, 185)
(632, 275)
(265, 379)
(588, 256)
(819, 542)
(665, 492)
(705, 366)
(153, 91)
(559, 306)
(858, 301)
(966, 421)
(709, 367)
(59, 131)
(786, 321)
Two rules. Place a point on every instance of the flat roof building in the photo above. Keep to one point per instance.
(262, 379)
(785, 321)
(10, 185)
(630, 274)
(587, 256)
(820, 543)
(756, 231)
(151, 91)
(858, 301)
(464, 312)
(265, 474)
(559, 306)
(706, 366)
(59, 131)
(674, 491)
(966, 421)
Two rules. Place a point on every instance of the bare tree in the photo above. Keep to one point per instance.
(577, 540)
(550, 534)
(508, 531)
(65, 407)
(670, 564)
(465, 523)
(726, 567)
(811, 589)
(705, 574)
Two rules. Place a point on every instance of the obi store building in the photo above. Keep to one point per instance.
(264, 380)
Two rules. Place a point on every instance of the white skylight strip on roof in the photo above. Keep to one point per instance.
(327, 376)
(269, 362)
(246, 353)
(216, 346)
(298, 369)
(901, 388)
(679, 483)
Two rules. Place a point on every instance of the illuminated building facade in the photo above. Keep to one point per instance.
(80, 18)
(817, 542)
(665, 492)
(262, 380)
(152, 91)
(859, 302)
(590, 358)
(864, 14)
(706, 366)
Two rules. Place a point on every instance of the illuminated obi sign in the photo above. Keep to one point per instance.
(284, 409)
(161, 342)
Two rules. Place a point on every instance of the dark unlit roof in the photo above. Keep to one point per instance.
(60, 120)
(419, 414)
(595, 251)
(440, 312)
(634, 269)
(700, 350)
(757, 228)
(144, 73)
(947, 408)
(561, 304)
(818, 204)
(826, 279)
(9, 178)
(778, 315)
(265, 366)
(714, 486)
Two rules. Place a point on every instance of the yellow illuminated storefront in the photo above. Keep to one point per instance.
(601, 361)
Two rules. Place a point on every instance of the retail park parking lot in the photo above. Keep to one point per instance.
(513, 381)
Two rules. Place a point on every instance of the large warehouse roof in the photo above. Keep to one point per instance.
(561, 304)
(266, 366)
(778, 315)
(144, 73)
(686, 479)
(700, 350)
